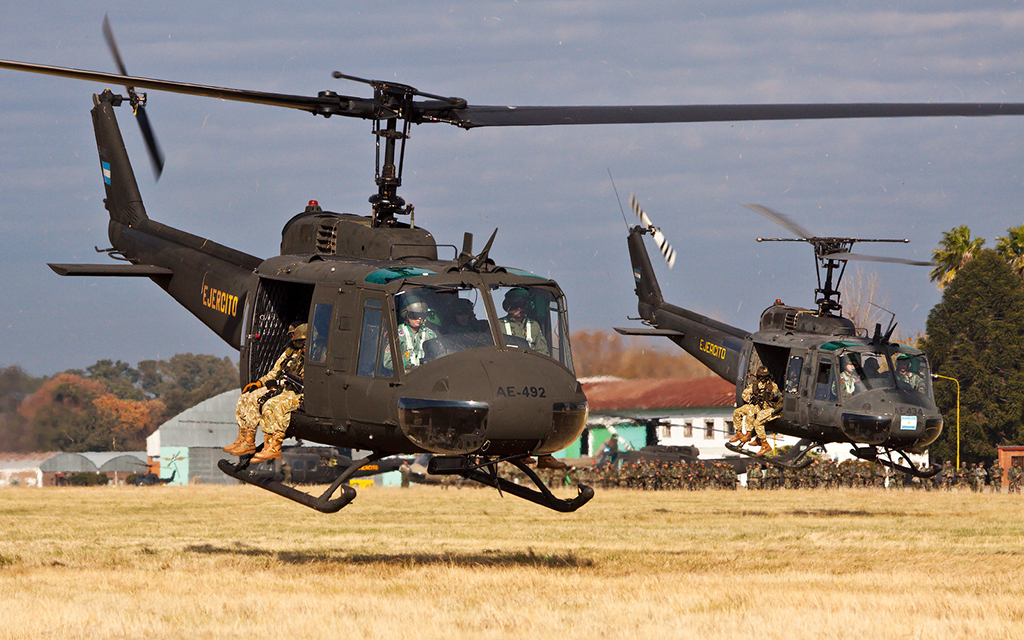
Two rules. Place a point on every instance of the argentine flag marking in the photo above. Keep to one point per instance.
(106, 172)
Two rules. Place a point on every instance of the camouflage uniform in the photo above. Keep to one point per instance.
(995, 477)
(276, 411)
(762, 398)
(979, 478)
(1015, 476)
(947, 476)
(754, 475)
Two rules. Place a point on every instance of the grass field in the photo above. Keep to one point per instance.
(423, 563)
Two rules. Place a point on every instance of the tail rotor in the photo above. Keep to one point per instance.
(138, 102)
(659, 238)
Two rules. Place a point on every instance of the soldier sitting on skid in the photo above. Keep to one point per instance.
(763, 397)
(269, 402)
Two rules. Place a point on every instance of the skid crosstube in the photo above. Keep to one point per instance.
(461, 465)
(872, 454)
(322, 503)
(795, 458)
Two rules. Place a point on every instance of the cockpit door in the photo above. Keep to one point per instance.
(826, 392)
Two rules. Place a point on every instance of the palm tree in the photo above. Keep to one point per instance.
(954, 251)
(1011, 248)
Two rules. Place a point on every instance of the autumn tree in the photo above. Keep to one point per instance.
(186, 380)
(609, 354)
(109, 406)
(976, 335)
(15, 386)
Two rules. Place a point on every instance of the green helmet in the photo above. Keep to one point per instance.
(415, 307)
(516, 298)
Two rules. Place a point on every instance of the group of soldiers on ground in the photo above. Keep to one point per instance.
(822, 473)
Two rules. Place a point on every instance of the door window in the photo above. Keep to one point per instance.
(319, 332)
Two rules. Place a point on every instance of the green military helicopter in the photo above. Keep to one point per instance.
(478, 395)
(838, 382)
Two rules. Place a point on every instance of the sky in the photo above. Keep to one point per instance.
(237, 172)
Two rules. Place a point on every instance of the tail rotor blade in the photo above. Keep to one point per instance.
(156, 156)
(659, 238)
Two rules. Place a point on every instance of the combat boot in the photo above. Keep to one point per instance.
(244, 445)
(765, 449)
(271, 448)
(738, 437)
(550, 462)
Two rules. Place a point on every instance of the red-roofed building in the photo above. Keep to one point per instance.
(643, 412)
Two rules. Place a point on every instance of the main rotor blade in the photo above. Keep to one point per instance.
(867, 258)
(511, 116)
(323, 105)
(782, 219)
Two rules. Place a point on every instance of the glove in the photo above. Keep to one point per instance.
(272, 384)
(252, 386)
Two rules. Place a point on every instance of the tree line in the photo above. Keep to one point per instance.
(110, 406)
(975, 335)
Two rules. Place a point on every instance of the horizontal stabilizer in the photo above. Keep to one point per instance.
(111, 270)
(648, 332)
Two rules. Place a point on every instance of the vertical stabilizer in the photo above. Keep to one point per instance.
(123, 201)
(647, 290)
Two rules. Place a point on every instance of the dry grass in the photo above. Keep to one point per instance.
(234, 562)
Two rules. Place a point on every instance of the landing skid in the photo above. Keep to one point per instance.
(872, 454)
(322, 503)
(486, 473)
(795, 458)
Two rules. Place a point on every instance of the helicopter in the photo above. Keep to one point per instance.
(837, 383)
(478, 398)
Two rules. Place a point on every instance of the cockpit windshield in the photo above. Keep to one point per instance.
(434, 322)
(863, 370)
(534, 318)
(437, 321)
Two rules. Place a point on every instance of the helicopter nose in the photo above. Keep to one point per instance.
(492, 402)
(890, 421)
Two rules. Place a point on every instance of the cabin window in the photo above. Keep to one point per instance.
(793, 374)
(825, 387)
(317, 350)
(369, 338)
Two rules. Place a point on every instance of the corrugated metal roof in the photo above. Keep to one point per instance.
(129, 462)
(18, 461)
(210, 423)
(105, 459)
(648, 393)
(69, 462)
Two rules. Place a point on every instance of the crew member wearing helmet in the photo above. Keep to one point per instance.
(269, 401)
(412, 333)
(763, 399)
(905, 377)
(518, 323)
